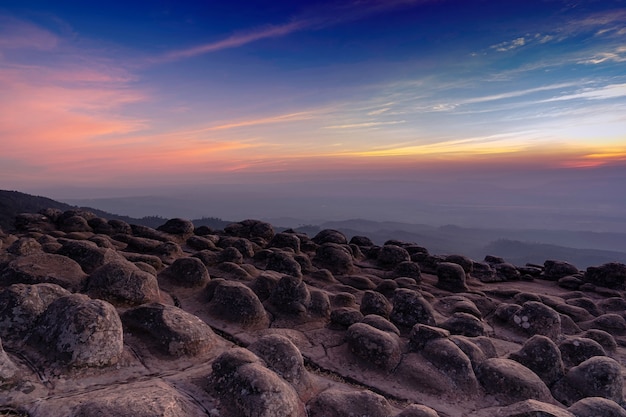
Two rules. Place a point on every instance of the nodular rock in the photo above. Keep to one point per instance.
(100, 317)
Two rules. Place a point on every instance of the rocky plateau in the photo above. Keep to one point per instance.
(103, 318)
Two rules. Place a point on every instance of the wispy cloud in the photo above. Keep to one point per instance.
(262, 121)
(237, 40)
(509, 45)
(616, 55)
(311, 20)
(365, 125)
(601, 93)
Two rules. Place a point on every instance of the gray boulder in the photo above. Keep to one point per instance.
(511, 381)
(338, 403)
(187, 272)
(374, 346)
(599, 376)
(596, 406)
(234, 302)
(22, 304)
(610, 275)
(334, 257)
(44, 268)
(410, 308)
(176, 332)
(79, 331)
(537, 318)
(250, 389)
(284, 358)
(451, 277)
(542, 356)
(123, 283)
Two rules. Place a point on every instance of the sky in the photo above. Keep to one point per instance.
(147, 97)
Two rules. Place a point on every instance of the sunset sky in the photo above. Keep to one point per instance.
(132, 94)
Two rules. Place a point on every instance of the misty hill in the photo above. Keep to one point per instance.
(13, 203)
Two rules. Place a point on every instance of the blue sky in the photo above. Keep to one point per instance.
(143, 94)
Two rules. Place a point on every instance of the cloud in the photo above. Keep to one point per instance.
(601, 93)
(617, 55)
(365, 125)
(509, 45)
(236, 40)
(379, 111)
(330, 15)
(262, 121)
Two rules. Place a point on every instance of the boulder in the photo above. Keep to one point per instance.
(283, 262)
(466, 263)
(599, 376)
(174, 331)
(230, 254)
(79, 332)
(182, 228)
(43, 268)
(510, 381)
(330, 236)
(187, 272)
(21, 305)
(374, 346)
(338, 403)
(610, 275)
(284, 358)
(407, 269)
(410, 308)
(464, 324)
(530, 408)
(334, 257)
(157, 399)
(233, 301)
(506, 272)
(285, 240)
(472, 350)
(603, 338)
(374, 302)
(290, 295)
(596, 406)
(9, 373)
(421, 334)
(451, 277)
(484, 272)
(249, 389)
(358, 282)
(449, 359)
(380, 323)
(123, 283)
(542, 356)
(24, 246)
(88, 255)
(250, 229)
(537, 318)
(418, 410)
(576, 350)
(390, 256)
(344, 317)
(555, 270)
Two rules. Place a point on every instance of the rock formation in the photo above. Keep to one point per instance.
(100, 317)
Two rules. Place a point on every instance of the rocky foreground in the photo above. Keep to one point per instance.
(103, 318)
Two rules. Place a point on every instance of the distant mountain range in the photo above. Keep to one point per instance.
(518, 246)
